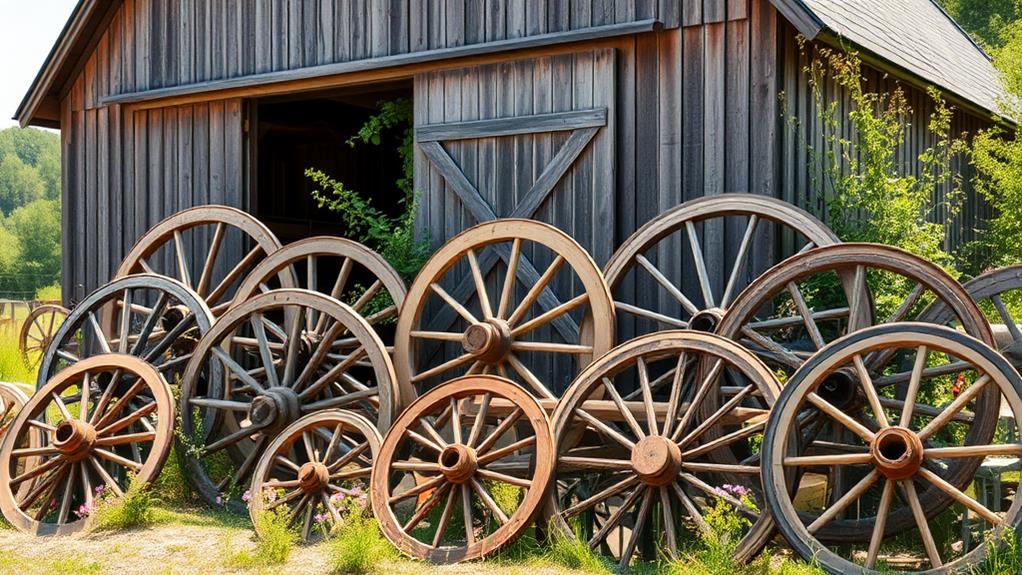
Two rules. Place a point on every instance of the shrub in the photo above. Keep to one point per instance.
(110, 513)
(359, 546)
(51, 292)
(274, 546)
(574, 553)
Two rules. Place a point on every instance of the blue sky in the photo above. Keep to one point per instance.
(28, 29)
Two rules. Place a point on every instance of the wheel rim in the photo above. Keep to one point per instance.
(313, 467)
(125, 428)
(424, 463)
(645, 461)
(231, 242)
(38, 331)
(888, 456)
(512, 332)
(346, 365)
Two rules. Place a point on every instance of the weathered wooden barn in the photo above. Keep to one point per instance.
(594, 115)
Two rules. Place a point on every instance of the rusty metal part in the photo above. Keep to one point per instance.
(662, 248)
(275, 370)
(228, 241)
(646, 467)
(895, 460)
(37, 332)
(539, 332)
(448, 449)
(318, 467)
(116, 421)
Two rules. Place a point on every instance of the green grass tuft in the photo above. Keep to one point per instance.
(135, 509)
(12, 368)
(1004, 559)
(274, 546)
(574, 553)
(358, 547)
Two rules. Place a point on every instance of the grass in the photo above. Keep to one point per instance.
(359, 547)
(11, 563)
(12, 369)
(136, 509)
(273, 547)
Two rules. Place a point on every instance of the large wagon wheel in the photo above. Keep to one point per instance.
(997, 292)
(37, 332)
(651, 474)
(490, 480)
(525, 332)
(897, 463)
(116, 419)
(275, 370)
(668, 247)
(149, 316)
(342, 268)
(318, 470)
(799, 305)
(212, 232)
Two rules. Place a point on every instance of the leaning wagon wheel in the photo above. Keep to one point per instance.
(220, 235)
(667, 248)
(116, 419)
(12, 400)
(651, 473)
(344, 269)
(490, 480)
(37, 332)
(897, 465)
(799, 305)
(275, 370)
(149, 316)
(318, 470)
(540, 333)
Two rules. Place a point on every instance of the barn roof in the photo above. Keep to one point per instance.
(910, 38)
(915, 36)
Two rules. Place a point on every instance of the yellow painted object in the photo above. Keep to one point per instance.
(812, 492)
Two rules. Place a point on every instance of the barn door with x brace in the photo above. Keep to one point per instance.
(530, 138)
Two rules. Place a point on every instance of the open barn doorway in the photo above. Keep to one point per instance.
(292, 134)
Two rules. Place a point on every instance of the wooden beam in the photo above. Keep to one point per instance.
(398, 65)
(802, 18)
(554, 122)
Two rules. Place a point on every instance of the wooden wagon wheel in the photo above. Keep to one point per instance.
(897, 464)
(799, 305)
(505, 327)
(37, 332)
(275, 370)
(650, 469)
(318, 471)
(354, 275)
(213, 232)
(12, 399)
(441, 451)
(149, 316)
(668, 247)
(116, 419)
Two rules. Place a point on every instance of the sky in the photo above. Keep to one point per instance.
(28, 29)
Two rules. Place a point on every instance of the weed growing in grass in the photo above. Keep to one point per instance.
(12, 368)
(13, 563)
(574, 553)
(135, 509)
(1004, 558)
(274, 546)
(359, 547)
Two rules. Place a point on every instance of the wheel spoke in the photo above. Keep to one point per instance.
(615, 517)
(675, 396)
(954, 407)
(603, 495)
(841, 417)
(533, 294)
(488, 501)
(913, 385)
(640, 522)
(866, 382)
(960, 497)
(509, 279)
(551, 314)
(529, 377)
(847, 499)
(666, 284)
(880, 523)
(623, 409)
(921, 522)
(449, 299)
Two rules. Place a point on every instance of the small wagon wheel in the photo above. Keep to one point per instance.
(12, 399)
(275, 370)
(116, 420)
(540, 333)
(212, 232)
(149, 316)
(317, 471)
(799, 305)
(440, 451)
(37, 332)
(651, 471)
(344, 269)
(997, 292)
(896, 465)
(667, 249)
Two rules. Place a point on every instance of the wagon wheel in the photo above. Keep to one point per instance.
(799, 305)
(37, 332)
(318, 470)
(897, 465)
(440, 451)
(667, 248)
(540, 334)
(341, 365)
(213, 232)
(116, 419)
(163, 323)
(997, 292)
(12, 400)
(342, 268)
(650, 471)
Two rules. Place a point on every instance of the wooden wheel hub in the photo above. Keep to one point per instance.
(458, 463)
(274, 410)
(74, 439)
(897, 453)
(840, 389)
(656, 460)
(489, 340)
(706, 320)
(313, 477)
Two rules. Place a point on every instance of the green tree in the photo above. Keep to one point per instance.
(20, 183)
(37, 229)
(985, 20)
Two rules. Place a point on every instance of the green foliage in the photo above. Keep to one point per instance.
(12, 368)
(274, 546)
(135, 509)
(359, 547)
(20, 183)
(393, 114)
(574, 553)
(51, 292)
(1004, 558)
(984, 19)
(13, 563)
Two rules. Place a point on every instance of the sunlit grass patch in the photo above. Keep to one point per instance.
(358, 547)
